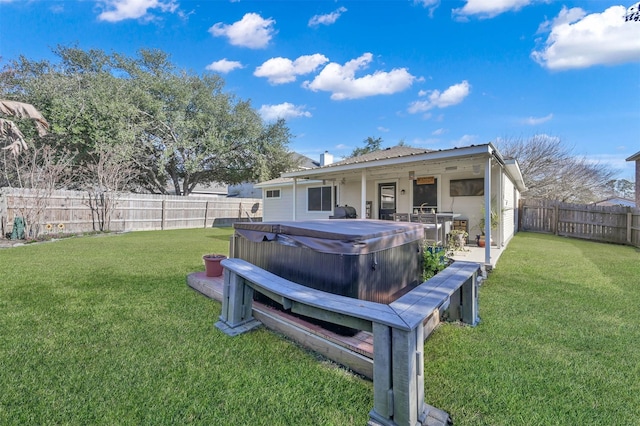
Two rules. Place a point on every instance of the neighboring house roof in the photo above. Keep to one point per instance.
(616, 201)
(634, 157)
(305, 162)
(274, 182)
(212, 189)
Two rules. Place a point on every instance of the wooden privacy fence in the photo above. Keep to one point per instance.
(611, 224)
(70, 211)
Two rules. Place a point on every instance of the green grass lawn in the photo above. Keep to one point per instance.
(559, 341)
(104, 330)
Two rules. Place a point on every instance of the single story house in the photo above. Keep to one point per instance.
(401, 179)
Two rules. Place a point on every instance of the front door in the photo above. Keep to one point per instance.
(386, 200)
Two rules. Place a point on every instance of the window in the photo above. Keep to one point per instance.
(273, 193)
(425, 194)
(319, 199)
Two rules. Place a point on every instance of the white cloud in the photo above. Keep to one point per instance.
(578, 40)
(341, 81)
(119, 10)
(534, 121)
(224, 66)
(439, 132)
(283, 70)
(436, 99)
(489, 8)
(465, 140)
(251, 31)
(432, 5)
(54, 7)
(383, 129)
(327, 19)
(284, 110)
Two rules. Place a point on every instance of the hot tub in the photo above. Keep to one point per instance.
(371, 260)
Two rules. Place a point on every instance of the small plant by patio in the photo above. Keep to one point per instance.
(457, 240)
(434, 260)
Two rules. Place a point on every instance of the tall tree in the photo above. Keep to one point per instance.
(182, 128)
(194, 133)
(622, 188)
(550, 170)
(371, 144)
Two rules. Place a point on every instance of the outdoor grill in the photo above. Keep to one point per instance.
(344, 212)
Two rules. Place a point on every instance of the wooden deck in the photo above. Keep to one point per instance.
(355, 352)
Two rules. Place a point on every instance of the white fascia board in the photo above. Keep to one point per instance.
(513, 170)
(634, 157)
(428, 156)
(287, 183)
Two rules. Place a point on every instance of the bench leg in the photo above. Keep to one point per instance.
(469, 306)
(398, 380)
(237, 305)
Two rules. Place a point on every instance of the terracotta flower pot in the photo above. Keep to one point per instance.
(212, 265)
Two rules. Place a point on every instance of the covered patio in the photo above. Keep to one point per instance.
(473, 253)
(445, 189)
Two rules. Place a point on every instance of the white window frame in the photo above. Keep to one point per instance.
(266, 193)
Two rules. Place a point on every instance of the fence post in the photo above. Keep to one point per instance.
(206, 213)
(162, 215)
(556, 219)
(629, 224)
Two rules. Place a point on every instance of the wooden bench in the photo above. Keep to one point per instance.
(398, 331)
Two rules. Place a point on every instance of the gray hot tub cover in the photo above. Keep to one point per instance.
(349, 237)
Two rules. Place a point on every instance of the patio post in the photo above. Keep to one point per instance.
(294, 197)
(363, 195)
(487, 211)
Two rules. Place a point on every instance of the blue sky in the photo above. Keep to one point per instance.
(433, 73)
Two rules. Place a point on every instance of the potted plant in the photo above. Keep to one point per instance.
(457, 239)
(495, 221)
(212, 265)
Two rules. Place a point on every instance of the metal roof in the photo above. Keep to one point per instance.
(382, 154)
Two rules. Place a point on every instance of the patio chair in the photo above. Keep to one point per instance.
(432, 228)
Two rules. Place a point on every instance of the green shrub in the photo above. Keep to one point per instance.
(434, 260)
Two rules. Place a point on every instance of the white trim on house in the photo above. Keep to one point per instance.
(270, 193)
